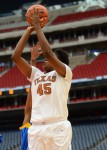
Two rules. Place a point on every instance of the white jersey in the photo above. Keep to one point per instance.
(49, 95)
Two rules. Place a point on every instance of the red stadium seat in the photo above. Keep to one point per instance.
(80, 16)
(14, 78)
(96, 68)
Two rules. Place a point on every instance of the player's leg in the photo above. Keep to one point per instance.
(62, 134)
(40, 137)
(35, 139)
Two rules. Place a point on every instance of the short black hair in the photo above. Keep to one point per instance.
(62, 56)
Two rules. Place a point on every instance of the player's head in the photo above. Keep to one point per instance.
(61, 55)
(47, 66)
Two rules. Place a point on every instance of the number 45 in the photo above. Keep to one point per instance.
(44, 89)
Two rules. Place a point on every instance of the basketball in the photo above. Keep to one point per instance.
(43, 13)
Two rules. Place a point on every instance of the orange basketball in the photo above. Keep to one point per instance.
(43, 13)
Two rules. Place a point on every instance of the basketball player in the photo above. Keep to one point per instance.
(50, 128)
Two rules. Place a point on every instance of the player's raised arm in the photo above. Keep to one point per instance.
(21, 63)
(46, 49)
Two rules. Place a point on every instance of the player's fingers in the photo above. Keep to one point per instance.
(36, 10)
(42, 20)
(31, 52)
(30, 12)
(33, 47)
(39, 48)
(37, 44)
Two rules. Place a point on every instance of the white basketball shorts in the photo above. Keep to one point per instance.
(53, 136)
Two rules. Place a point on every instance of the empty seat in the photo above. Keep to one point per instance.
(96, 68)
(80, 16)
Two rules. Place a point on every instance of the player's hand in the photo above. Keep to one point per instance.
(36, 51)
(30, 28)
(36, 21)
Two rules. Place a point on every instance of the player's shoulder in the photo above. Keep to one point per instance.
(35, 69)
(69, 74)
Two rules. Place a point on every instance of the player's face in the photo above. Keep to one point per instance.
(47, 66)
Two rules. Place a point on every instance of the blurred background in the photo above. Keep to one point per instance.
(80, 28)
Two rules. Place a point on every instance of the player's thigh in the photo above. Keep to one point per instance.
(62, 135)
(61, 144)
(37, 139)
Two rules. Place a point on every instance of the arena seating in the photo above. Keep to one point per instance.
(14, 78)
(96, 68)
(2, 68)
(90, 135)
(12, 29)
(87, 135)
(92, 70)
(11, 139)
(80, 16)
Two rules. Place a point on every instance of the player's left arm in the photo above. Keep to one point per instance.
(28, 107)
(46, 49)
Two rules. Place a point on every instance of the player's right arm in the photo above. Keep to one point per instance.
(45, 46)
(21, 63)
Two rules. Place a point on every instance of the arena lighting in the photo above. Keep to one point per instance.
(96, 53)
(27, 90)
(0, 93)
(11, 91)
